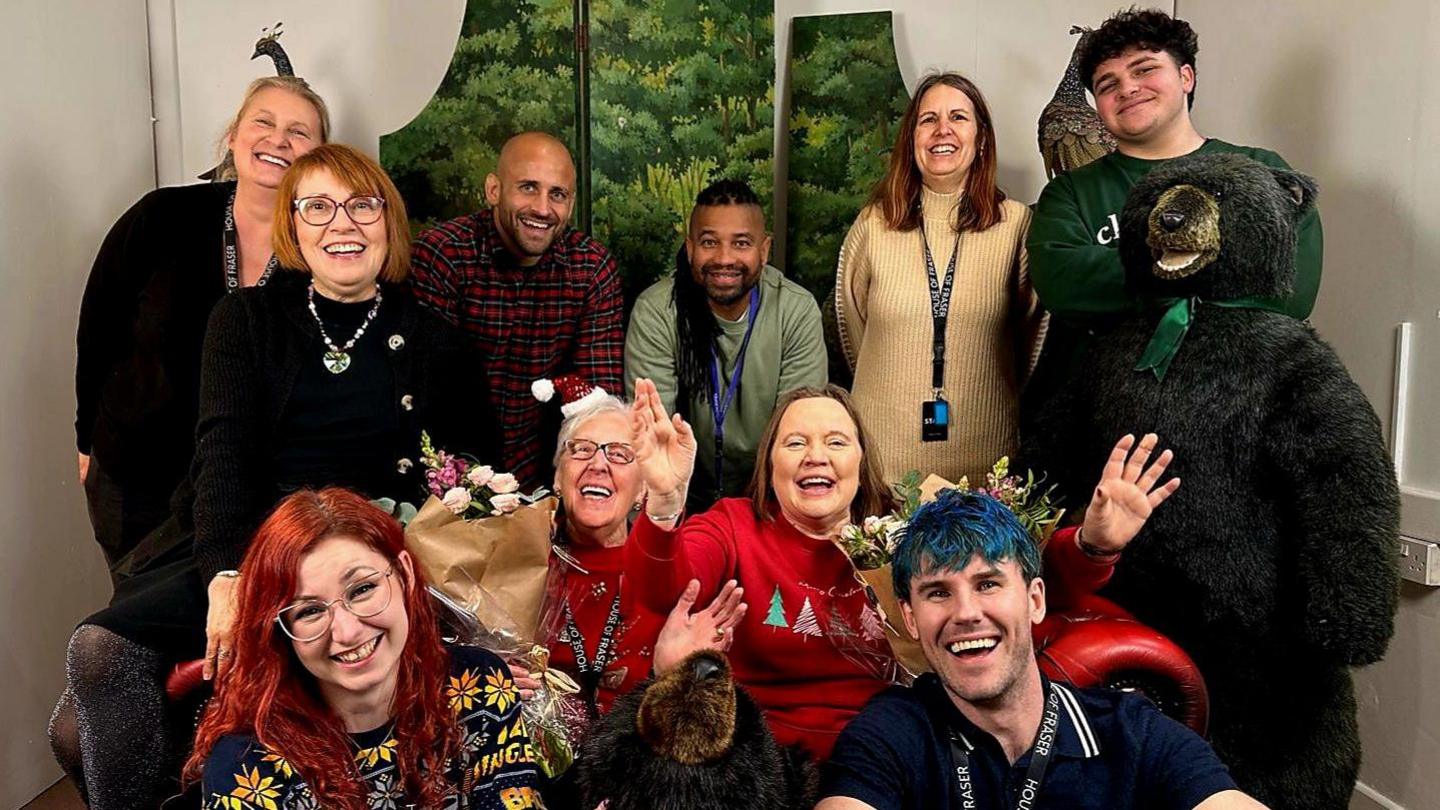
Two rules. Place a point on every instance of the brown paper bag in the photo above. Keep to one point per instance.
(495, 566)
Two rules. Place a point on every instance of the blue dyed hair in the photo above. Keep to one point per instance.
(945, 533)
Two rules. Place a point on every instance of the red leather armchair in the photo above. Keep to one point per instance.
(1085, 639)
(1088, 640)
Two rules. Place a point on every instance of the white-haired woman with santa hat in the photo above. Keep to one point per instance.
(596, 630)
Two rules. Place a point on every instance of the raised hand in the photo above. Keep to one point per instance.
(711, 628)
(1126, 494)
(664, 447)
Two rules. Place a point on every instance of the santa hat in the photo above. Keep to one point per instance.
(575, 394)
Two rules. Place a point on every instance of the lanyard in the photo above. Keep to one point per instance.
(591, 671)
(232, 253)
(964, 792)
(939, 307)
(720, 408)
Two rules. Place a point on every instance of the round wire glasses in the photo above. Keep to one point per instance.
(309, 619)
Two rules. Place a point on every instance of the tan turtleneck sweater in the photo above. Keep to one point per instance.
(882, 298)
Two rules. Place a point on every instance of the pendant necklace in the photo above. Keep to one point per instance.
(338, 358)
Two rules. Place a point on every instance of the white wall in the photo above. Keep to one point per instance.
(1345, 92)
(375, 63)
(75, 152)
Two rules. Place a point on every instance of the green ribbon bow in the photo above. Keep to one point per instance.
(1170, 331)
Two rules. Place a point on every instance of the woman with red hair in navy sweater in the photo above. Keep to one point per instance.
(343, 695)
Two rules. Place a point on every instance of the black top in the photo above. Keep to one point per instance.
(338, 426)
(262, 386)
(1112, 751)
(142, 323)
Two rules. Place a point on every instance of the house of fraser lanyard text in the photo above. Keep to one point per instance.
(939, 308)
(964, 795)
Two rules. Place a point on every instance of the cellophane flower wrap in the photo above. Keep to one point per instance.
(870, 547)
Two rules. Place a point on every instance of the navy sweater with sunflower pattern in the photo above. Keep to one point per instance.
(496, 767)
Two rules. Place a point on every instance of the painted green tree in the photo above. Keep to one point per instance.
(513, 69)
(681, 93)
(846, 98)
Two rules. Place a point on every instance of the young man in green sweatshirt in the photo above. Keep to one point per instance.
(1140, 68)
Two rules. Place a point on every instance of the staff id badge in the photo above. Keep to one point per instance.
(935, 420)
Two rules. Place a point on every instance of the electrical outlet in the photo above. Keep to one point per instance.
(1419, 561)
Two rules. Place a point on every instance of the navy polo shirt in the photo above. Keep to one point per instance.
(1113, 750)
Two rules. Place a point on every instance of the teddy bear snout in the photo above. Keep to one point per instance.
(1172, 220)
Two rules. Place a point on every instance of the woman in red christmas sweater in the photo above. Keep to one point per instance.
(815, 472)
(596, 629)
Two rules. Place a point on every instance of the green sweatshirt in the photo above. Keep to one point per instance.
(787, 351)
(1075, 258)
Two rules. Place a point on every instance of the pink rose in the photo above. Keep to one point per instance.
(480, 476)
(503, 483)
(457, 500)
(505, 503)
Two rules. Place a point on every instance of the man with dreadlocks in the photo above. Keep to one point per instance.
(723, 337)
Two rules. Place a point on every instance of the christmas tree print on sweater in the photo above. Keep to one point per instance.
(776, 616)
(806, 623)
(871, 625)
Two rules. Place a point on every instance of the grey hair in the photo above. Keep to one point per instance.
(607, 404)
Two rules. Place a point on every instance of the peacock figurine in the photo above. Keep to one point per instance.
(267, 45)
(1071, 133)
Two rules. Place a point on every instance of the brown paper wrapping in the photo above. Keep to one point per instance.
(496, 566)
(880, 588)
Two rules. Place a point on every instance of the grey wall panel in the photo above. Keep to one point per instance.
(75, 152)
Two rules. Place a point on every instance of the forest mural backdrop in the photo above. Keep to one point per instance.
(681, 93)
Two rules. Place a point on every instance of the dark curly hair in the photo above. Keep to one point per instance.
(1149, 29)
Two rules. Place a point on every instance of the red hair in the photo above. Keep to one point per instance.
(897, 194)
(272, 697)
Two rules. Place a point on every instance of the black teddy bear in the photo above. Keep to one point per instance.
(1274, 564)
(691, 740)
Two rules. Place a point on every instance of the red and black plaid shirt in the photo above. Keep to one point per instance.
(561, 315)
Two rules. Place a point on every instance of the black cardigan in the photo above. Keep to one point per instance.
(142, 323)
(256, 342)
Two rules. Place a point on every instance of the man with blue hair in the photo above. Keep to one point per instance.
(985, 728)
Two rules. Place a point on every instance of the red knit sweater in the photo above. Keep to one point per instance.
(809, 625)
(590, 594)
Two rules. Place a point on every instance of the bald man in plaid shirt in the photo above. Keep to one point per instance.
(538, 297)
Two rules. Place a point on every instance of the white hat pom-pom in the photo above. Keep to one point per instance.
(543, 389)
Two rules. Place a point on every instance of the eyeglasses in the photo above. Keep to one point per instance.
(615, 452)
(310, 619)
(320, 211)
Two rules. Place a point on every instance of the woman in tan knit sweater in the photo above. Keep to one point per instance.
(939, 197)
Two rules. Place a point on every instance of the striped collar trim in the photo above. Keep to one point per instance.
(1089, 744)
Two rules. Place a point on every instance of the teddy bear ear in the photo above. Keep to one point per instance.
(1301, 188)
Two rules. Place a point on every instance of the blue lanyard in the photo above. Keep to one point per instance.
(720, 408)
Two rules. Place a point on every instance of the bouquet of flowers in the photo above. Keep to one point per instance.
(1024, 497)
(485, 548)
(468, 488)
(871, 545)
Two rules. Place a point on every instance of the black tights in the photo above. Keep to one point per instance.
(108, 730)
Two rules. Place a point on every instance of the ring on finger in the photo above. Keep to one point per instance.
(223, 654)
(720, 633)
